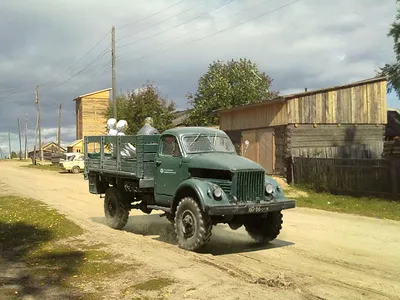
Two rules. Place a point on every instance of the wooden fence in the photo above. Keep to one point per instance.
(358, 177)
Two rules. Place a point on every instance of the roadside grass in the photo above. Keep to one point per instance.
(43, 167)
(369, 207)
(38, 255)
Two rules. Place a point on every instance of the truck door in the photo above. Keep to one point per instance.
(168, 171)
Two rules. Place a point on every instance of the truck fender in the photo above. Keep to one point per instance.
(195, 188)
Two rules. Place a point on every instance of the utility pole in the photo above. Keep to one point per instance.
(39, 122)
(113, 83)
(59, 128)
(9, 144)
(19, 137)
(36, 136)
(26, 136)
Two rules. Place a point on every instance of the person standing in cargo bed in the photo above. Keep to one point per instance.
(148, 127)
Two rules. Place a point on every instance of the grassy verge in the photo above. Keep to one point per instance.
(44, 167)
(41, 256)
(369, 207)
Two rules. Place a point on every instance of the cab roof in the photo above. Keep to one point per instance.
(178, 131)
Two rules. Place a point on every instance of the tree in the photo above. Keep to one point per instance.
(136, 105)
(14, 155)
(226, 85)
(393, 70)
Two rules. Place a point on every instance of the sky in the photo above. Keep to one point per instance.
(64, 47)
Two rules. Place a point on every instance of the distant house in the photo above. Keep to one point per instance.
(181, 116)
(75, 146)
(48, 149)
(345, 121)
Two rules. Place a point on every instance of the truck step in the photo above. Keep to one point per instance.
(165, 209)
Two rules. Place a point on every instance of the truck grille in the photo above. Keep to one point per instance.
(225, 185)
(250, 185)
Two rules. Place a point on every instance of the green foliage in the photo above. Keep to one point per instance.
(225, 85)
(393, 70)
(14, 155)
(135, 107)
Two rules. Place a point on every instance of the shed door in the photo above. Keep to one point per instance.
(261, 148)
(266, 153)
(252, 151)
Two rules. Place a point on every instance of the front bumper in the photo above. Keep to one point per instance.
(250, 208)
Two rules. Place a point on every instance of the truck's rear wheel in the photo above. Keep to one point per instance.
(265, 227)
(115, 209)
(76, 170)
(192, 226)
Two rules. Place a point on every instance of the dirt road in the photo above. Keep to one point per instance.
(319, 255)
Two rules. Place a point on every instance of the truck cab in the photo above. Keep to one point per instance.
(195, 176)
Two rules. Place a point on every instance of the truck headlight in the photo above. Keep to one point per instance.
(269, 188)
(217, 192)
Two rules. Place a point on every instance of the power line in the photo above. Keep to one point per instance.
(215, 33)
(190, 8)
(180, 24)
(17, 90)
(152, 15)
(210, 24)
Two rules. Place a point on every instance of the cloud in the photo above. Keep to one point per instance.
(307, 44)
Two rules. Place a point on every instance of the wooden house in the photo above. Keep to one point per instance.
(75, 146)
(48, 149)
(345, 121)
(91, 114)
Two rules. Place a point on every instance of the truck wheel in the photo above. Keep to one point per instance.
(192, 226)
(266, 227)
(115, 209)
(76, 170)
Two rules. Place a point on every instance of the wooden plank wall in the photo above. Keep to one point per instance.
(94, 121)
(362, 104)
(358, 177)
(254, 117)
(333, 141)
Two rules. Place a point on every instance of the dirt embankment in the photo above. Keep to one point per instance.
(319, 255)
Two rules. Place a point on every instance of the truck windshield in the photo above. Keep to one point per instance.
(199, 143)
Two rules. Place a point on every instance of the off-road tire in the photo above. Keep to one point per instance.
(76, 170)
(118, 213)
(265, 227)
(202, 225)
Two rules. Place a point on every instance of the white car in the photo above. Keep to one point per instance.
(72, 162)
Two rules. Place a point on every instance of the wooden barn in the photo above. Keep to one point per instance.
(345, 121)
(90, 113)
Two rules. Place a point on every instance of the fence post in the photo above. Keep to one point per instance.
(290, 170)
(394, 173)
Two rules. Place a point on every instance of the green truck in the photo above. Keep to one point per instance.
(193, 175)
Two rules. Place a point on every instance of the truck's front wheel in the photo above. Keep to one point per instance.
(265, 227)
(115, 208)
(192, 226)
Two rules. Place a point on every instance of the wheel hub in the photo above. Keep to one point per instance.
(188, 224)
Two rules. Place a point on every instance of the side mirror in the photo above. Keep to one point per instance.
(246, 144)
